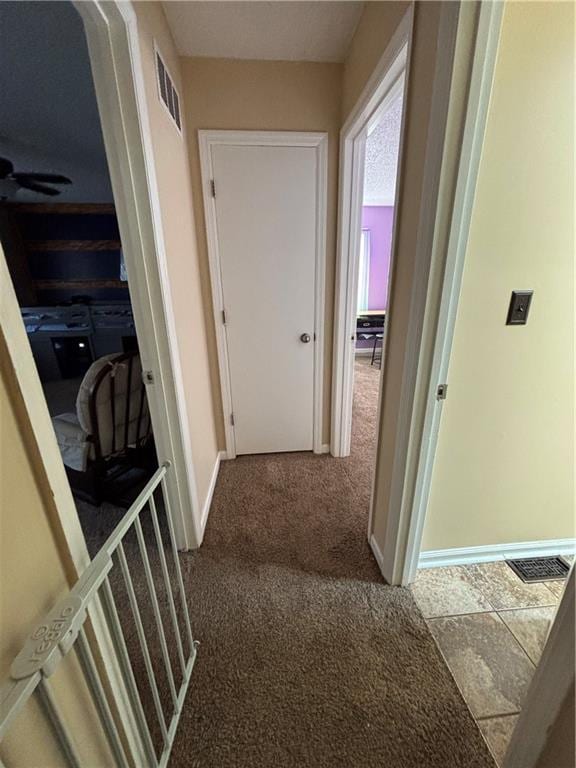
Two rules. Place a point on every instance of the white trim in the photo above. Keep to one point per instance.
(484, 61)
(114, 46)
(320, 287)
(261, 138)
(217, 294)
(364, 263)
(211, 487)
(378, 556)
(491, 552)
(380, 89)
(324, 448)
(549, 689)
(319, 141)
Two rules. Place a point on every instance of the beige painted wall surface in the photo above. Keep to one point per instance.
(263, 95)
(173, 175)
(375, 29)
(32, 579)
(560, 747)
(504, 469)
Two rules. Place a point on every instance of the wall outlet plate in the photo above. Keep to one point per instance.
(519, 306)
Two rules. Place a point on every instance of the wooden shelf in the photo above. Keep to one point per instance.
(79, 285)
(73, 245)
(63, 208)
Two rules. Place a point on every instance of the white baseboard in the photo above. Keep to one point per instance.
(363, 351)
(208, 501)
(325, 448)
(377, 553)
(485, 554)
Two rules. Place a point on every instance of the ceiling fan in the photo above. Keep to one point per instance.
(36, 182)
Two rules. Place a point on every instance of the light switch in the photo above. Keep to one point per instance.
(519, 307)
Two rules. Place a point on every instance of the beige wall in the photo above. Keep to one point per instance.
(173, 175)
(267, 95)
(33, 576)
(375, 29)
(504, 469)
(270, 95)
(263, 95)
(560, 748)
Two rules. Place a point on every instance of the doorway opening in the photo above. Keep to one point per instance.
(69, 319)
(60, 236)
(371, 148)
(381, 146)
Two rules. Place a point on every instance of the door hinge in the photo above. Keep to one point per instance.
(441, 392)
(147, 377)
(213, 187)
(232, 419)
(224, 317)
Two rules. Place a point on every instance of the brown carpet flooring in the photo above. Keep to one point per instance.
(306, 658)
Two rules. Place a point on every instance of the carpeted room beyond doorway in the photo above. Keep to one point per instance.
(306, 657)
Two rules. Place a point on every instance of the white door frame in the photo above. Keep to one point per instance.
(436, 372)
(389, 77)
(113, 43)
(319, 142)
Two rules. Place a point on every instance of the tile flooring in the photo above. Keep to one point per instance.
(491, 628)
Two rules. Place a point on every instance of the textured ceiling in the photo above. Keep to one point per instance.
(382, 148)
(281, 31)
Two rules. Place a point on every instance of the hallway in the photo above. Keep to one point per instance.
(306, 658)
(300, 510)
(252, 196)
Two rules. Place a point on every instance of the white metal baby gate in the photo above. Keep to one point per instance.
(62, 631)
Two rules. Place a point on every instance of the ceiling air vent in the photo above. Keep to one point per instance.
(167, 92)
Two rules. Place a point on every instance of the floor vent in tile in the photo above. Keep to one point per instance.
(539, 568)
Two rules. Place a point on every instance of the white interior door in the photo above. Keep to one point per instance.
(266, 209)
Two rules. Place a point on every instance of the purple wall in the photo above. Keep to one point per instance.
(379, 220)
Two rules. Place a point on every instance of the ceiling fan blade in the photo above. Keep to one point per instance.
(33, 187)
(53, 178)
(6, 167)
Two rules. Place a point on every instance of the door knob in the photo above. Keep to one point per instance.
(305, 338)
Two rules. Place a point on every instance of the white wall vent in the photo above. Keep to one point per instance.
(167, 92)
